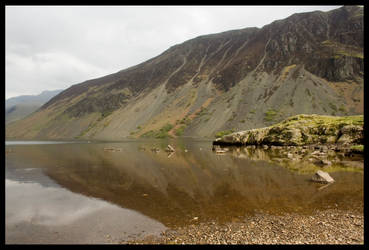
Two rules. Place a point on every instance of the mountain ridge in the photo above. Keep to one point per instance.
(307, 63)
(19, 107)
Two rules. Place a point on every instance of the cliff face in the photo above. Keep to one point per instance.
(240, 79)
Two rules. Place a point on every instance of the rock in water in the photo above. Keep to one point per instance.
(169, 149)
(326, 162)
(323, 177)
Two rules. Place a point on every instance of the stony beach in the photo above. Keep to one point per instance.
(332, 226)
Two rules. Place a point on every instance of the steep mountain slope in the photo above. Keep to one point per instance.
(20, 106)
(240, 79)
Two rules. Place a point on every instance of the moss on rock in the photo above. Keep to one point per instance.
(302, 130)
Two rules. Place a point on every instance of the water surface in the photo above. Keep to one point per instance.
(99, 192)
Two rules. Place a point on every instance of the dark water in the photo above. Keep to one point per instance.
(79, 192)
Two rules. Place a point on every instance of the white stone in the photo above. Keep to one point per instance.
(323, 177)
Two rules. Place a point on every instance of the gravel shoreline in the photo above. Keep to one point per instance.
(331, 226)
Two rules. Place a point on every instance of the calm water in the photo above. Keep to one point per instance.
(79, 192)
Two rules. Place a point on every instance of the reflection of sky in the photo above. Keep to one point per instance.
(49, 206)
(35, 142)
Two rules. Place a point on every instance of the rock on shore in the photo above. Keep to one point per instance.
(302, 130)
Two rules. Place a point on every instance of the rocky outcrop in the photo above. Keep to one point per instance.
(302, 130)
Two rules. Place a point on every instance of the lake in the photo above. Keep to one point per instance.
(104, 192)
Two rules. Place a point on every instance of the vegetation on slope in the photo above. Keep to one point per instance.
(159, 134)
(223, 133)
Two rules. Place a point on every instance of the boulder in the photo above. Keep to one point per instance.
(326, 162)
(351, 134)
(169, 148)
(317, 161)
(322, 177)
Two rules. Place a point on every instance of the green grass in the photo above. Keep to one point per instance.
(340, 50)
(350, 53)
(342, 109)
(185, 121)
(159, 134)
(359, 148)
(270, 115)
(224, 132)
(203, 111)
(148, 134)
(180, 130)
(163, 132)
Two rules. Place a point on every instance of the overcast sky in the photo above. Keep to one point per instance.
(49, 47)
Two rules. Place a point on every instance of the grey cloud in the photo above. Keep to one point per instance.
(51, 47)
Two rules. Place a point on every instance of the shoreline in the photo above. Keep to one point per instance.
(346, 149)
(331, 226)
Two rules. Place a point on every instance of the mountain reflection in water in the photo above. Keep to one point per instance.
(192, 182)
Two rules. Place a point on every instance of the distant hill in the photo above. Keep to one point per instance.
(20, 106)
(308, 63)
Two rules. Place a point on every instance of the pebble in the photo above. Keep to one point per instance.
(293, 228)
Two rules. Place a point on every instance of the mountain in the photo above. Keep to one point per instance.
(19, 107)
(308, 63)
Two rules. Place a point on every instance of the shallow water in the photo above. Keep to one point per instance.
(90, 193)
